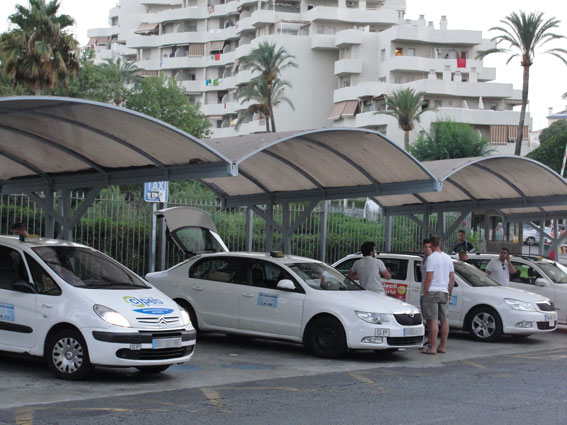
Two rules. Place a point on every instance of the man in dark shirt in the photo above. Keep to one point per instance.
(463, 244)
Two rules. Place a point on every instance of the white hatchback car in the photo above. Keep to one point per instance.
(283, 297)
(77, 308)
(478, 305)
(535, 274)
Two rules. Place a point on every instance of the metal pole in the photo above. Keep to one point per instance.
(388, 233)
(162, 240)
(249, 229)
(323, 231)
(564, 161)
(153, 239)
(269, 227)
(285, 228)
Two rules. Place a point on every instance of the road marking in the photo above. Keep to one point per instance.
(23, 415)
(216, 400)
(473, 364)
(367, 381)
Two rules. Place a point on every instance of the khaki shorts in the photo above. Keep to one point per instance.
(434, 306)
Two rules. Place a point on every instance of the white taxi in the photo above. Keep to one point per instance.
(77, 308)
(279, 296)
(479, 304)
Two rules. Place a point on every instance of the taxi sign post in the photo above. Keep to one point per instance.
(156, 192)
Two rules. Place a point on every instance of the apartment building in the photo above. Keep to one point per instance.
(351, 56)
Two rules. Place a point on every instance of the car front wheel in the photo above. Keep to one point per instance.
(326, 338)
(67, 355)
(485, 324)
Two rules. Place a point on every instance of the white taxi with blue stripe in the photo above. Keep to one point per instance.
(78, 308)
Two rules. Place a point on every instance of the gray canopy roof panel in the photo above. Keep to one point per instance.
(331, 163)
(53, 143)
(510, 185)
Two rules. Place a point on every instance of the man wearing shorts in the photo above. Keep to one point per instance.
(437, 289)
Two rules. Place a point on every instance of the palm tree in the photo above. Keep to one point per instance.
(257, 92)
(118, 75)
(405, 106)
(38, 52)
(525, 33)
(268, 61)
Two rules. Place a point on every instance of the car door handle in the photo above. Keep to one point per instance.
(415, 290)
(47, 306)
(247, 295)
(198, 288)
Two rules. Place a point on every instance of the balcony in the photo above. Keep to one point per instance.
(184, 62)
(243, 50)
(243, 77)
(348, 37)
(348, 66)
(353, 16)
(323, 42)
(441, 37)
(418, 63)
(192, 86)
(223, 132)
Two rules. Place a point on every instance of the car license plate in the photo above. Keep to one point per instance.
(412, 331)
(166, 343)
(382, 332)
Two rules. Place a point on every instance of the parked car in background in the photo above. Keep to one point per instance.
(531, 235)
(78, 308)
(479, 304)
(535, 274)
(280, 296)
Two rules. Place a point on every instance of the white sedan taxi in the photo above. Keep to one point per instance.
(77, 308)
(479, 304)
(280, 296)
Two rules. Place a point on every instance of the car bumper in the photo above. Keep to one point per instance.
(367, 336)
(525, 322)
(140, 347)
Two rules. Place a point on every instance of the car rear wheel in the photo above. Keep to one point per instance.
(151, 370)
(326, 338)
(530, 241)
(485, 324)
(67, 355)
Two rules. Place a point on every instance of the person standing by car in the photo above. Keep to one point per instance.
(462, 244)
(437, 289)
(369, 269)
(501, 268)
(426, 247)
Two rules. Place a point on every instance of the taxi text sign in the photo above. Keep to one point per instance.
(156, 191)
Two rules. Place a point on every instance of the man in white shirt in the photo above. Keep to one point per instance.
(501, 268)
(437, 289)
(368, 269)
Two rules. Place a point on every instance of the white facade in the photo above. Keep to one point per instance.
(350, 55)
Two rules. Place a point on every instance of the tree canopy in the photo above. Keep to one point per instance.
(449, 139)
(38, 52)
(525, 33)
(555, 128)
(551, 152)
(165, 100)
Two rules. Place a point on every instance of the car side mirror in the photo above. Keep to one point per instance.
(286, 285)
(25, 287)
(540, 281)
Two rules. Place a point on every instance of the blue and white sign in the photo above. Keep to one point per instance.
(156, 191)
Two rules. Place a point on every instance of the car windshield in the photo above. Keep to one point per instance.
(88, 268)
(323, 277)
(555, 271)
(473, 276)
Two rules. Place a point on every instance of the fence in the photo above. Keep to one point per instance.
(121, 228)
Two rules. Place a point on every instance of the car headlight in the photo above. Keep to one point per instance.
(111, 316)
(185, 317)
(520, 305)
(376, 318)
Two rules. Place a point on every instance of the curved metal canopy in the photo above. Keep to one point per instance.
(332, 163)
(50, 143)
(514, 186)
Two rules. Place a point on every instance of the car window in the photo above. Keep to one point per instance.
(264, 274)
(223, 269)
(417, 271)
(397, 267)
(472, 275)
(524, 274)
(556, 272)
(44, 283)
(323, 277)
(12, 268)
(479, 263)
(346, 265)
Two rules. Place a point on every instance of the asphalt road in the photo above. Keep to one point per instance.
(247, 381)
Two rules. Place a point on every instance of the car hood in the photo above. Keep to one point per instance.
(507, 292)
(140, 307)
(366, 301)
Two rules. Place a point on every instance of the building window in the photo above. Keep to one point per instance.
(346, 82)
(411, 51)
(437, 103)
(382, 79)
(399, 51)
(493, 107)
(382, 55)
(398, 79)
